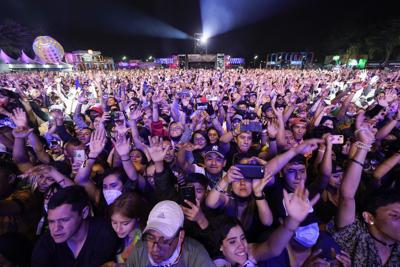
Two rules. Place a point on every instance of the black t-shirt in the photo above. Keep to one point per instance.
(101, 246)
(274, 197)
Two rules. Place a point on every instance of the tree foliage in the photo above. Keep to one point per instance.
(15, 37)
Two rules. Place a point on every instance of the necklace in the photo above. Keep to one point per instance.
(382, 242)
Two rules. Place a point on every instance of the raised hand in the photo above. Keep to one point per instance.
(259, 184)
(364, 131)
(194, 213)
(134, 115)
(97, 142)
(121, 129)
(157, 98)
(21, 132)
(19, 118)
(272, 128)
(156, 152)
(233, 175)
(308, 146)
(298, 206)
(122, 145)
(105, 117)
(190, 147)
(363, 75)
(82, 98)
(277, 111)
(328, 138)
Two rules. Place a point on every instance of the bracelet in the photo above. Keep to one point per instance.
(219, 189)
(262, 197)
(361, 145)
(357, 162)
(272, 139)
(128, 159)
(92, 158)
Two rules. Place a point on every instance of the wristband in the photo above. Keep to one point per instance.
(357, 162)
(128, 159)
(262, 197)
(272, 139)
(92, 158)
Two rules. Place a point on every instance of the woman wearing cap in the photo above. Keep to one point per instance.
(233, 244)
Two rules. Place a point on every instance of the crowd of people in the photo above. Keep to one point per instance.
(200, 168)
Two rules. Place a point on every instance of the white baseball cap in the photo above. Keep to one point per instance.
(166, 218)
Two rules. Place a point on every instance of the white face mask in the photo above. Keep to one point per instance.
(307, 235)
(111, 195)
(350, 114)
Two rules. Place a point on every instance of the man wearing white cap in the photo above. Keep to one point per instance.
(164, 243)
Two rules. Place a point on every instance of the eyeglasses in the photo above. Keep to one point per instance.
(161, 242)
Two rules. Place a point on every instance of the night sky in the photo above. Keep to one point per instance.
(131, 28)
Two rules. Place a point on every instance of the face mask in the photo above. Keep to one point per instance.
(111, 195)
(350, 114)
(174, 259)
(307, 235)
(176, 138)
(241, 112)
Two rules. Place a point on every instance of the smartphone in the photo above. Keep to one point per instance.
(251, 171)
(79, 157)
(370, 113)
(202, 106)
(337, 139)
(253, 126)
(211, 98)
(188, 193)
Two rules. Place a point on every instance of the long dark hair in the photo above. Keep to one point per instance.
(222, 228)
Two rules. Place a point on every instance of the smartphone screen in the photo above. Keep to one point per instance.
(79, 157)
(253, 126)
(250, 171)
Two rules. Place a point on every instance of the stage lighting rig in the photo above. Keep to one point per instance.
(200, 43)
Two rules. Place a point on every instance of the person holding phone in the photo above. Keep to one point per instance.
(243, 198)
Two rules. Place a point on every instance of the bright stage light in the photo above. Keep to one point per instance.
(203, 39)
(222, 16)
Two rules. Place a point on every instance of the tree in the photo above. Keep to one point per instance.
(15, 37)
(391, 37)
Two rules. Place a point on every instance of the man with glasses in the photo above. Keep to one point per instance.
(164, 243)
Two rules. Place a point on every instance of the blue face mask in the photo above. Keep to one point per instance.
(307, 235)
